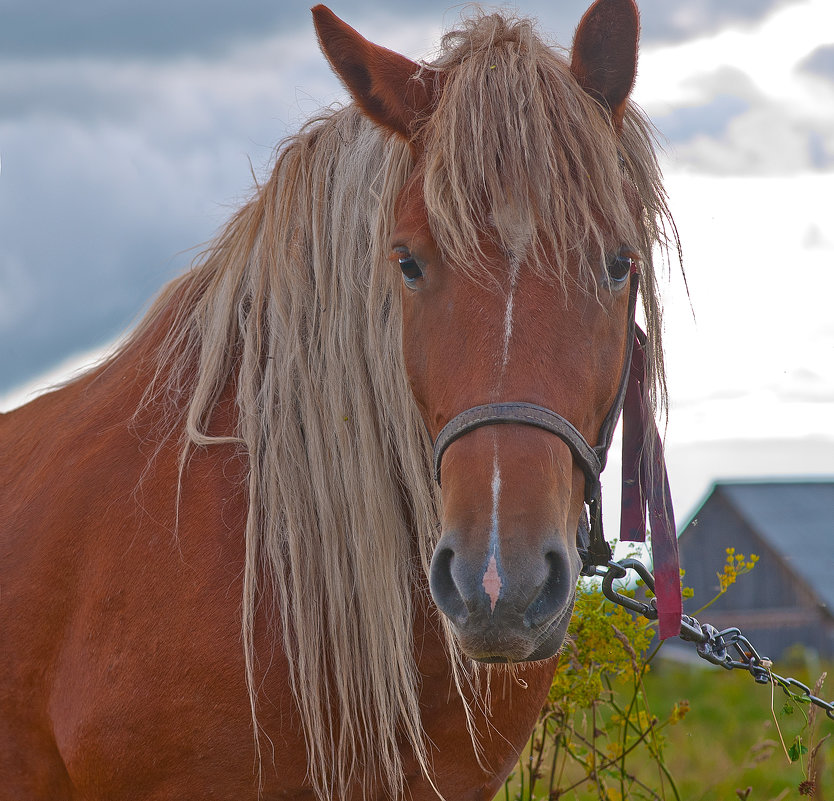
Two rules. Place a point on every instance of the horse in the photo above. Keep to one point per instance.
(234, 562)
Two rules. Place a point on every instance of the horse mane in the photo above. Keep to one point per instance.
(296, 305)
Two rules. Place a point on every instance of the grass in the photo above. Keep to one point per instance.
(729, 740)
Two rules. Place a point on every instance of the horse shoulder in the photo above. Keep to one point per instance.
(121, 602)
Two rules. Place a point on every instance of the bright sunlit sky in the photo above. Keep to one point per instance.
(127, 131)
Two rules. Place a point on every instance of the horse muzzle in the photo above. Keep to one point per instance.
(505, 609)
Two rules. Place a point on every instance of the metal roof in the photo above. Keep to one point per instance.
(796, 519)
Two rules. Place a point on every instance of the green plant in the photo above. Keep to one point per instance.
(598, 720)
(598, 737)
(589, 727)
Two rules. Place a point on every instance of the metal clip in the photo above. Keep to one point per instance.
(713, 648)
(619, 570)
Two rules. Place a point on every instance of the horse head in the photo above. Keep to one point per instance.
(516, 234)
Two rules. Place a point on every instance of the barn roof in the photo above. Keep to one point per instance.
(794, 518)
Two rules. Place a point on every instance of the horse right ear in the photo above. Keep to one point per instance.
(389, 88)
(604, 54)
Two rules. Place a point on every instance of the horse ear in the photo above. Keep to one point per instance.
(385, 85)
(604, 54)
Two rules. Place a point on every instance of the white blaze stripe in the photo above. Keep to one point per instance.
(508, 332)
(492, 579)
(496, 495)
(515, 265)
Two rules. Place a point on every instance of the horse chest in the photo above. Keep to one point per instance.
(514, 705)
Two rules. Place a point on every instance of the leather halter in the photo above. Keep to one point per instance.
(591, 459)
(641, 482)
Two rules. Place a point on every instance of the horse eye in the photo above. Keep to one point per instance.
(410, 268)
(619, 266)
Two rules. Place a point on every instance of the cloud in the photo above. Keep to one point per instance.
(758, 358)
(36, 29)
(121, 29)
(709, 119)
(116, 169)
(744, 102)
(674, 22)
(731, 125)
(820, 62)
(89, 230)
(761, 141)
(113, 170)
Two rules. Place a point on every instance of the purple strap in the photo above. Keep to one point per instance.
(645, 482)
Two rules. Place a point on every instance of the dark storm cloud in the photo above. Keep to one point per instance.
(58, 93)
(90, 229)
(114, 167)
(163, 29)
(131, 28)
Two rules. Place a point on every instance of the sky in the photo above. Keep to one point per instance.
(129, 131)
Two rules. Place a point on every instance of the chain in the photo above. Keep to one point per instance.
(717, 647)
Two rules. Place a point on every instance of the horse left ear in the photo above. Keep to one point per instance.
(385, 85)
(604, 54)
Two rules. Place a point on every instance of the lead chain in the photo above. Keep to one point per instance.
(711, 644)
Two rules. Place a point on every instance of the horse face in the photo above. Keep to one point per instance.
(496, 330)
(505, 569)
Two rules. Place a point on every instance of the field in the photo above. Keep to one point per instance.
(729, 740)
(724, 744)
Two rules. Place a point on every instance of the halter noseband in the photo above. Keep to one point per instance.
(641, 482)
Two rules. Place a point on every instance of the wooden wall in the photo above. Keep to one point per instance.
(770, 605)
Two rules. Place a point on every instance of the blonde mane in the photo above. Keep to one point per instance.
(297, 306)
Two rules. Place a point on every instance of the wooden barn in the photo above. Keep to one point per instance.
(788, 598)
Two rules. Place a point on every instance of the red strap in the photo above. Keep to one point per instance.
(633, 501)
(645, 481)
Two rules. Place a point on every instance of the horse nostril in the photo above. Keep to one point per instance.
(555, 592)
(443, 588)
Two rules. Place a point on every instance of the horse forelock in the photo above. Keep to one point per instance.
(518, 154)
(297, 305)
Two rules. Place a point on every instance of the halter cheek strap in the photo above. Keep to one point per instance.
(642, 482)
(646, 484)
